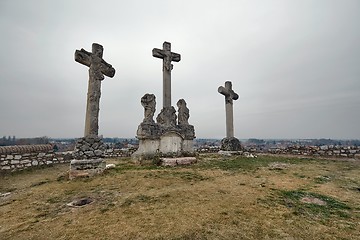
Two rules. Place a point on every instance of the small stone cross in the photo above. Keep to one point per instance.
(167, 57)
(97, 69)
(230, 95)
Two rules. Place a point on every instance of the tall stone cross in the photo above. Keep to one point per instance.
(167, 57)
(97, 69)
(230, 95)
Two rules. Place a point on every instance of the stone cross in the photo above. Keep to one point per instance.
(97, 69)
(167, 57)
(230, 95)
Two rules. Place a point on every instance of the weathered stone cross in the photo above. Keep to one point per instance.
(230, 95)
(97, 69)
(167, 57)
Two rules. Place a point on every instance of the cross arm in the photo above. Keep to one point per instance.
(107, 69)
(228, 93)
(82, 56)
(223, 91)
(175, 57)
(158, 53)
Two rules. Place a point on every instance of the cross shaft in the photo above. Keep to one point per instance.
(230, 95)
(97, 69)
(167, 57)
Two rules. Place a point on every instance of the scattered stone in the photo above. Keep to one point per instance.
(5, 194)
(80, 202)
(168, 162)
(249, 155)
(110, 166)
(171, 162)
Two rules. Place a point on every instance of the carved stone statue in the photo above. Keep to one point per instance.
(183, 113)
(149, 104)
(167, 117)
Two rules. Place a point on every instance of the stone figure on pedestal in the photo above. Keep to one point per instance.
(167, 136)
(167, 117)
(183, 113)
(149, 104)
(148, 129)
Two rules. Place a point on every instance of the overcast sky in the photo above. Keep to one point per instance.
(294, 63)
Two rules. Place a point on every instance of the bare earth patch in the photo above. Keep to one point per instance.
(313, 200)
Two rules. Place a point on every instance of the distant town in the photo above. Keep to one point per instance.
(201, 144)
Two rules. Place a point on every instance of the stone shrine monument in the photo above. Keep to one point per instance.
(89, 150)
(229, 143)
(171, 134)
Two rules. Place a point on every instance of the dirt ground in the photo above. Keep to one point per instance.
(217, 198)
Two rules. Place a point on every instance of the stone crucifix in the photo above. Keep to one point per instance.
(167, 57)
(97, 69)
(230, 95)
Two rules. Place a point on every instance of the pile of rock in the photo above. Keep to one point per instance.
(88, 157)
(90, 147)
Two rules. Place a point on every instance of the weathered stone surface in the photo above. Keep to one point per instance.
(170, 143)
(147, 147)
(167, 136)
(230, 95)
(187, 131)
(230, 144)
(171, 162)
(86, 168)
(149, 131)
(4, 163)
(22, 149)
(167, 117)
(90, 147)
(97, 69)
(183, 113)
(15, 162)
(148, 101)
(167, 57)
(168, 162)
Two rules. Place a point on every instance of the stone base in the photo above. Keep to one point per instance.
(90, 147)
(172, 162)
(171, 144)
(86, 168)
(230, 153)
(230, 144)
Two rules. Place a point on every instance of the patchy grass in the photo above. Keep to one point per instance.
(313, 204)
(217, 198)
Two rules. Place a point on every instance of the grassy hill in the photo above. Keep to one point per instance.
(217, 198)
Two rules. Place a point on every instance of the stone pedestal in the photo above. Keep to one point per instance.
(88, 157)
(161, 140)
(230, 144)
(86, 168)
(168, 143)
